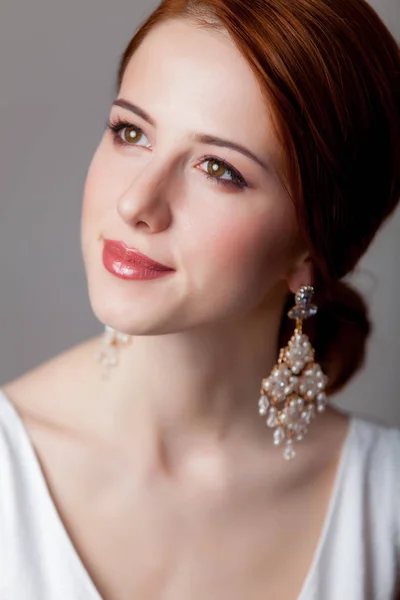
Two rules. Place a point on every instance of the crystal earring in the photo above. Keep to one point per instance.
(107, 355)
(294, 391)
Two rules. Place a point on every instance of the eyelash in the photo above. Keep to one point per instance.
(237, 180)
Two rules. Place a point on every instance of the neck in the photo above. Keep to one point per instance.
(174, 397)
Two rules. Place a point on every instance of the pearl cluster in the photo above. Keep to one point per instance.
(294, 392)
(107, 356)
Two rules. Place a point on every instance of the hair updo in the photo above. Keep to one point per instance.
(330, 71)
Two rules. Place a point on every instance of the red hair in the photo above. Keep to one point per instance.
(330, 72)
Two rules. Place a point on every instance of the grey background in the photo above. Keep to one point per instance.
(58, 64)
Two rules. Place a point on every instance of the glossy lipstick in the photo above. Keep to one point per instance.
(129, 263)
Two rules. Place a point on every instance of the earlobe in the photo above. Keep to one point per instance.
(301, 274)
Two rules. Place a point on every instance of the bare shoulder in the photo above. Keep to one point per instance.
(43, 393)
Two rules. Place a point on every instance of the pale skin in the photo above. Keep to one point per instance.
(165, 476)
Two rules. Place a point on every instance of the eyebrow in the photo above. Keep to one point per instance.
(203, 138)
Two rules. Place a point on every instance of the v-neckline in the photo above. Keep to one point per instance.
(73, 553)
(332, 504)
(50, 508)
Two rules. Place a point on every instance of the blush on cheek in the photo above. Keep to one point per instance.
(247, 246)
(255, 252)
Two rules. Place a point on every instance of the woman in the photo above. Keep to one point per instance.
(251, 155)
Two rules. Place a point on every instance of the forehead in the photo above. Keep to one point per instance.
(200, 78)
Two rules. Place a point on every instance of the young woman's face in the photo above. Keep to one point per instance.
(218, 215)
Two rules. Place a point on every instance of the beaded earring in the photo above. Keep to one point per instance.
(294, 391)
(107, 355)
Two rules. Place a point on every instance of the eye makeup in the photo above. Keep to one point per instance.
(119, 126)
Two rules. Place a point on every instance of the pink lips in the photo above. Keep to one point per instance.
(129, 263)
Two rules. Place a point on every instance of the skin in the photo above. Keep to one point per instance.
(165, 476)
(205, 336)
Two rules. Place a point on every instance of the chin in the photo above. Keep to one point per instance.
(130, 315)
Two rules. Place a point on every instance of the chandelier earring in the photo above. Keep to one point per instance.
(294, 393)
(107, 356)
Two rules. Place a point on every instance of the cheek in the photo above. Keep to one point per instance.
(254, 248)
(237, 261)
(97, 190)
(96, 195)
(102, 187)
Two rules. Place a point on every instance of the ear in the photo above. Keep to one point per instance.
(301, 273)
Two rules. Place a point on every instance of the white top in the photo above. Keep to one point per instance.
(357, 556)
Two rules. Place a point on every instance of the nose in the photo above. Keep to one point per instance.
(144, 203)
